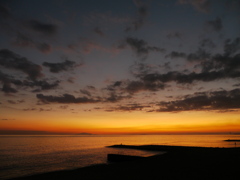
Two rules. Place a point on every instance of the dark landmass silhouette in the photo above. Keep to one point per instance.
(122, 158)
(233, 140)
(179, 162)
(85, 134)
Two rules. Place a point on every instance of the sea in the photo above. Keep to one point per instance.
(27, 155)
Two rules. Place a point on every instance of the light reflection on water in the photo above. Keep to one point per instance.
(24, 155)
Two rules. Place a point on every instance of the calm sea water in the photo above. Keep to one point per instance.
(26, 155)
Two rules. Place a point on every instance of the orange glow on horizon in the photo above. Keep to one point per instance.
(127, 123)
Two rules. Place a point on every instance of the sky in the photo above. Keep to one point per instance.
(119, 67)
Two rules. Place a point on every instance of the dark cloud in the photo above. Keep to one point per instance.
(174, 35)
(36, 109)
(15, 102)
(85, 92)
(98, 31)
(114, 97)
(63, 107)
(229, 65)
(182, 78)
(207, 43)
(26, 33)
(141, 68)
(8, 89)
(43, 84)
(175, 54)
(10, 60)
(215, 25)
(199, 55)
(227, 62)
(140, 20)
(216, 100)
(132, 87)
(29, 109)
(137, 86)
(232, 46)
(58, 67)
(200, 5)
(141, 47)
(211, 67)
(236, 85)
(65, 98)
(92, 88)
(6, 80)
(11, 102)
(71, 79)
(25, 41)
(129, 107)
(44, 47)
(9, 81)
(214, 67)
(43, 28)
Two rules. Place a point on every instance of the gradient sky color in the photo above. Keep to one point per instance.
(119, 67)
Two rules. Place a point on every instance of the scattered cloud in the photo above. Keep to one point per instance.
(232, 46)
(141, 47)
(85, 92)
(175, 54)
(27, 33)
(8, 89)
(65, 98)
(129, 107)
(15, 102)
(37, 109)
(206, 66)
(87, 46)
(236, 85)
(215, 100)
(43, 84)
(6, 80)
(58, 67)
(71, 79)
(126, 89)
(64, 107)
(11, 84)
(105, 19)
(11, 60)
(207, 43)
(140, 20)
(214, 25)
(98, 31)
(227, 62)
(221, 101)
(23, 40)
(114, 97)
(183, 78)
(199, 5)
(172, 35)
(41, 27)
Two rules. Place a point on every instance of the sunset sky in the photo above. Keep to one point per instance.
(119, 66)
